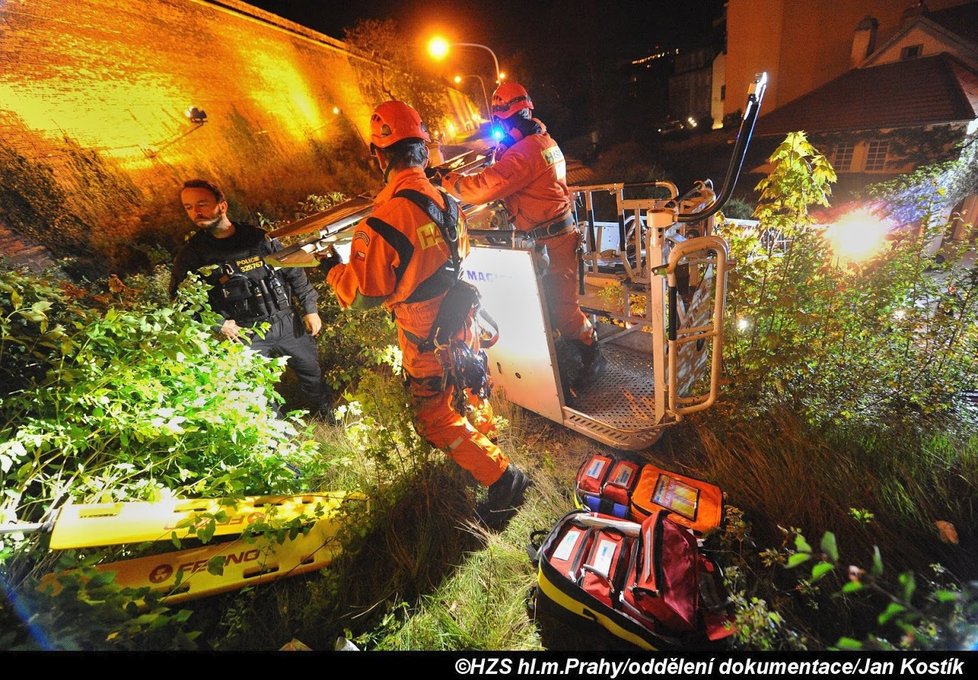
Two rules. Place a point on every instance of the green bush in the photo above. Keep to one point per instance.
(118, 398)
(892, 337)
(846, 379)
(137, 399)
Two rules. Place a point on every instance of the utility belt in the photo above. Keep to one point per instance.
(557, 228)
(252, 296)
(464, 372)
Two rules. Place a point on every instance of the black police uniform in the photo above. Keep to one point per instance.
(247, 290)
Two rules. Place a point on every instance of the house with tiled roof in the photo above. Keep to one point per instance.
(888, 118)
(908, 102)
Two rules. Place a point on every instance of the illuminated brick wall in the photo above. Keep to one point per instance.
(94, 143)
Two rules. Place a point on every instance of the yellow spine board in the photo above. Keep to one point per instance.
(183, 575)
(100, 524)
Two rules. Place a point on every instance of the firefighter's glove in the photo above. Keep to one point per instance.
(436, 175)
(328, 258)
(450, 184)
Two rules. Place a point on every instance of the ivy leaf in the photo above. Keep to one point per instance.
(849, 643)
(821, 569)
(829, 546)
(31, 316)
(101, 579)
(205, 532)
(945, 595)
(798, 558)
(802, 545)
(215, 565)
(852, 587)
(909, 585)
(891, 610)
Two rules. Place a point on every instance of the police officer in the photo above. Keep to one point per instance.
(406, 256)
(246, 291)
(529, 175)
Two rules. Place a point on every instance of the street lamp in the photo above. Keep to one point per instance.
(858, 235)
(485, 98)
(438, 48)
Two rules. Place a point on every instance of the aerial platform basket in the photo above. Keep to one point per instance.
(653, 279)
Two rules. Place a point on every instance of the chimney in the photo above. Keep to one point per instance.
(917, 9)
(863, 40)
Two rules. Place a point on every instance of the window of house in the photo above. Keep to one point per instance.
(723, 92)
(841, 156)
(911, 51)
(876, 155)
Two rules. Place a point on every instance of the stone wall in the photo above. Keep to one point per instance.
(94, 140)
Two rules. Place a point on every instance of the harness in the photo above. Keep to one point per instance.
(446, 219)
(465, 368)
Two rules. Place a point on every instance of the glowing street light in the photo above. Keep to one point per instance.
(858, 235)
(438, 48)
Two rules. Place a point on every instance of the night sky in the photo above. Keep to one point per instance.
(572, 55)
(624, 27)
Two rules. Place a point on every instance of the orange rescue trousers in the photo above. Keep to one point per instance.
(560, 288)
(464, 438)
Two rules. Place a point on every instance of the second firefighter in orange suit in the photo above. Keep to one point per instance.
(529, 175)
(399, 259)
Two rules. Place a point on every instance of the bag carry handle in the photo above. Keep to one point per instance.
(624, 527)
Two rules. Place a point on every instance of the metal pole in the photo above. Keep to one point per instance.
(483, 47)
(485, 97)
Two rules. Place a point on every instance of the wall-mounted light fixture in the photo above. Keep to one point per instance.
(196, 116)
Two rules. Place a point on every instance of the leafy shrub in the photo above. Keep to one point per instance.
(87, 610)
(891, 337)
(120, 399)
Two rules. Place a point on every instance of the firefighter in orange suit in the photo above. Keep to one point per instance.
(529, 175)
(406, 256)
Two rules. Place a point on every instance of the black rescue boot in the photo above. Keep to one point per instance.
(594, 364)
(505, 495)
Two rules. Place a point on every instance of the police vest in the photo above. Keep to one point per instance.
(248, 290)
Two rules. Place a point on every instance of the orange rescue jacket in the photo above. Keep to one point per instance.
(530, 177)
(394, 250)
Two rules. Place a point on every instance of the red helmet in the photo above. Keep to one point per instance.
(393, 121)
(510, 98)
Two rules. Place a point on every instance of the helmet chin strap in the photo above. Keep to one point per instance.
(517, 128)
(376, 155)
(386, 169)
